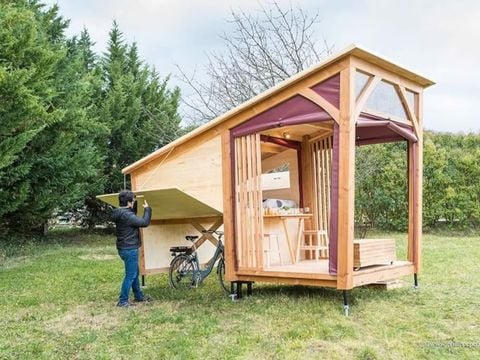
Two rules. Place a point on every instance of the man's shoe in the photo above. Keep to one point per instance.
(145, 299)
(124, 304)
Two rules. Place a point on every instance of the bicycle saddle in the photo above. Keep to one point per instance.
(181, 249)
(191, 238)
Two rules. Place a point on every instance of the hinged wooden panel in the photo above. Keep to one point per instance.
(321, 151)
(248, 202)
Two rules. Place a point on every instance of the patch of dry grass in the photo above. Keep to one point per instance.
(82, 318)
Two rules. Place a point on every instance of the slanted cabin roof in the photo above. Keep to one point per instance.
(353, 50)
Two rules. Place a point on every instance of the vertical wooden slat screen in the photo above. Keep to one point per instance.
(248, 202)
(321, 151)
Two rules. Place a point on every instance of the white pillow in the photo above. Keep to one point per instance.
(279, 203)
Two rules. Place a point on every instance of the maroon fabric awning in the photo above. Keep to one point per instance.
(375, 130)
(330, 90)
(296, 110)
(333, 236)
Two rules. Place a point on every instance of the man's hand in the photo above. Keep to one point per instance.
(145, 204)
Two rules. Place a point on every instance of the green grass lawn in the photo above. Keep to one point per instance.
(58, 301)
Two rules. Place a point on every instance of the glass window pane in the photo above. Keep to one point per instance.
(360, 82)
(385, 99)
(411, 99)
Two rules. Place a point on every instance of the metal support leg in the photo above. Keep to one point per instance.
(346, 307)
(236, 291)
(233, 293)
(143, 280)
(239, 289)
(249, 288)
(415, 281)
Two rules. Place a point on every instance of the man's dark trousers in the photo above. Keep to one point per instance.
(130, 259)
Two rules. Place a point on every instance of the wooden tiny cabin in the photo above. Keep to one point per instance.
(277, 173)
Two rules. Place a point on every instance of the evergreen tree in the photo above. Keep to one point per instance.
(27, 62)
(139, 110)
(52, 159)
(84, 47)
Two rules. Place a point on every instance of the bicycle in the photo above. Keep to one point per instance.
(185, 272)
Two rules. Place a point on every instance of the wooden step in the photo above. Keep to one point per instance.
(388, 284)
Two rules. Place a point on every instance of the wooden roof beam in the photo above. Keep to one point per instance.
(372, 83)
(322, 102)
(272, 148)
(410, 112)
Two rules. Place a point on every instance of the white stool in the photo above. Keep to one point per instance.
(271, 238)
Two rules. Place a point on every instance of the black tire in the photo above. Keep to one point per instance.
(182, 272)
(221, 275)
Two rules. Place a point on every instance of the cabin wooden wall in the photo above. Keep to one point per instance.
(196, 170)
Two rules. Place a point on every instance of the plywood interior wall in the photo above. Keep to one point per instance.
(275, 226)
(288, 156)
(196, 170)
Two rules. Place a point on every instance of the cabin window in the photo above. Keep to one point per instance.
(411, 99)
(385, 100)
(361, 80)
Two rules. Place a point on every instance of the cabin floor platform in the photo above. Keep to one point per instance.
(303, 266)
(376, 273)
(315, 272)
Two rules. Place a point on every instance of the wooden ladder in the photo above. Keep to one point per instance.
(317, 248)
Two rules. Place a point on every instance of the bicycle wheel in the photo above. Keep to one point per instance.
(182, 272)
(221, 276)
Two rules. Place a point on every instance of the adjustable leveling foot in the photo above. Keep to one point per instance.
(233, 294)
(346, 307)
(236, 289)
(415, 281)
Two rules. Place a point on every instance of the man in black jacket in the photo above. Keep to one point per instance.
(128, 242)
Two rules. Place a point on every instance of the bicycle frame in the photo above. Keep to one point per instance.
(185, 267)
(202, 274)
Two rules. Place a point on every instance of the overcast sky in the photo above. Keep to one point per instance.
(437, 38)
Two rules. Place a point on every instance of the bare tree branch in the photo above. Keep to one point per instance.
(265, 48)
